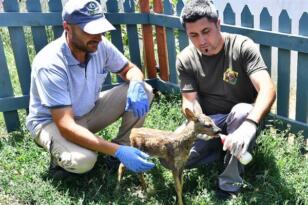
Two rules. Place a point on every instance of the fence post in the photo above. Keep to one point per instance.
(170, 44)
(56, 6)
(247, 18)
(132, 35)
(229, 15)
(38, 32)
(161, 44)
(302, 76)
(148, 42)
(183, 39)
(6, 89)
(19, 47)
(283, 74)
(116, 35)
(266, 51)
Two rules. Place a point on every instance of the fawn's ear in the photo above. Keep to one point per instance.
(197, 108)
(190, 115)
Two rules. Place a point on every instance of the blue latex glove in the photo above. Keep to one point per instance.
(137, 99)
(133, 159)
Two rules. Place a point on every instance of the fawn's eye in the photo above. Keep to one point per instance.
(207, 125)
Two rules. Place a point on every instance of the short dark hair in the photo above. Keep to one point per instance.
(194, 10)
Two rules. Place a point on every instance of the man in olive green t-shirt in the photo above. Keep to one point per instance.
(227, 76)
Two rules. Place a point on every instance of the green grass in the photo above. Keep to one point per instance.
(278, 173)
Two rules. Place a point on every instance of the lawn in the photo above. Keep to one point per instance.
(278, 173)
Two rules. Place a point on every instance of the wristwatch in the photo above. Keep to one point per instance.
(252, 121)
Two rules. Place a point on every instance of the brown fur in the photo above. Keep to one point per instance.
(172, 148)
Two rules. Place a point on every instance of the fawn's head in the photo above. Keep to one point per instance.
(203, 124)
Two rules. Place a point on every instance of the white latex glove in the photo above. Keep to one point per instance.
(206, 137)
(239, 140)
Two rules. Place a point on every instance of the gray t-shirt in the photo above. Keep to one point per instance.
(221, 80)
(58, 79)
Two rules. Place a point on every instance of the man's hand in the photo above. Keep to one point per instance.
(133, 159)
(137, 99)
(239, 140)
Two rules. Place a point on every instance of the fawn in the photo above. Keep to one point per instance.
(172, 148)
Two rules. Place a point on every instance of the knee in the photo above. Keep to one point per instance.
(241, 110)
(78, 162)
(237, 115)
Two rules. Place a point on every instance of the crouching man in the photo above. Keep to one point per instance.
(226, 74)
(66, 103)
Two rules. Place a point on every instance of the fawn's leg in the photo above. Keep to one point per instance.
(181, 177)
(178, 185)
(121, 171)
(142, 181)
(182, 183)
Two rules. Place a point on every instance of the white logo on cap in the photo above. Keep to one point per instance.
(93, 9)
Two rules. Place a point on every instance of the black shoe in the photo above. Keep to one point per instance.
(225, 195)
(56, 172)
(112, 163)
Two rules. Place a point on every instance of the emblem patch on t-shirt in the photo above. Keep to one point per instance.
(230, 76)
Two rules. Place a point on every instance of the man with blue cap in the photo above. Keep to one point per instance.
(66, 103)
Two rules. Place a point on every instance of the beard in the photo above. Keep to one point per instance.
(92, 46)
(89, 47)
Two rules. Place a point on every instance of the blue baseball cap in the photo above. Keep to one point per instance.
(88, 14)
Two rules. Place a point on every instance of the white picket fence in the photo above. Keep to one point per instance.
(294, 8)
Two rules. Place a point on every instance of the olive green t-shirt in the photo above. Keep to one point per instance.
(221, 80)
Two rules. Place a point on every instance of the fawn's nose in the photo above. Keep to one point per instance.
(216, 130)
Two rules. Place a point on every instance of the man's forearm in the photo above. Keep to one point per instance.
(190, 101)
(131, 72)
(264, 101)
(83, 137)
(134, 74)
